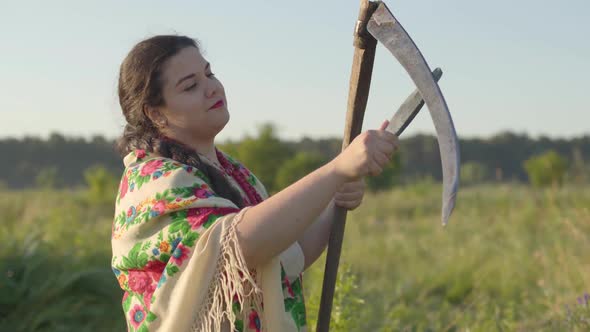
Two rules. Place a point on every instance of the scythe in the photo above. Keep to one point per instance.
(377, 23)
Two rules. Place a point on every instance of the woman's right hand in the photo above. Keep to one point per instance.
(367, 154)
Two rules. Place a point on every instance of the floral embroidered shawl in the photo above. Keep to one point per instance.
(177, 258)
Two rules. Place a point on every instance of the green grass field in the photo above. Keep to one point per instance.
(511, 259)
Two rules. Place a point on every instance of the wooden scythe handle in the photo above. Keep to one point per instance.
(360, 83)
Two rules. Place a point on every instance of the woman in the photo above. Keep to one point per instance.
(185, 252)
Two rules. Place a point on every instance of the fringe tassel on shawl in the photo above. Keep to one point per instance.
(231, 277)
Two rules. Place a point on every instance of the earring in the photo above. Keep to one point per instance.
(161, 124)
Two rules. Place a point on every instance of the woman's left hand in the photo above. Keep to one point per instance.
(350, 194)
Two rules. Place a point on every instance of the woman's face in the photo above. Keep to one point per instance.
(190, 90)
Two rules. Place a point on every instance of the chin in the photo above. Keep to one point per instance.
(225, 119)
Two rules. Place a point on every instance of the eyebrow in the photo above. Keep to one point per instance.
(191, 75)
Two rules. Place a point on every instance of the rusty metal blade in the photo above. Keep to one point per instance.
(389, 32)
(409, 109)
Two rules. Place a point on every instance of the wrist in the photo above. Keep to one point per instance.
(334, 170)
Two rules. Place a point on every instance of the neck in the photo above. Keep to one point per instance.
(203, 147)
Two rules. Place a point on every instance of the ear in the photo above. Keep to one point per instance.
(155, 115)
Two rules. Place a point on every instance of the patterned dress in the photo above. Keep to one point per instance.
(156, 259)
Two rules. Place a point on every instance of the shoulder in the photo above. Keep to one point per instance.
(143, 168)
(154, 185)
(148, 161)
(147, 164)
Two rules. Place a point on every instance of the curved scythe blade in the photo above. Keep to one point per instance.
(387, 30)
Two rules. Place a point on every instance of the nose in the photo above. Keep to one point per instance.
(212, 88)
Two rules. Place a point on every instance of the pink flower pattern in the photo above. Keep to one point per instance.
(136, 316)
(160, 206)
(150, 167)
(124, 187)
(179, 254)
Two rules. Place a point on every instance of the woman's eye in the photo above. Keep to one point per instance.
(191, 87)
(211, 75)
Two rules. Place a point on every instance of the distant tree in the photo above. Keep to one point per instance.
(47, 178)
(57, 139)
(230, 147)
(263, 154)
(579, 171)
(296, 168)
(474, 172)
(388, 177)
(102, 184)
(546, 169)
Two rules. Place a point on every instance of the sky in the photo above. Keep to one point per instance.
(520, 66)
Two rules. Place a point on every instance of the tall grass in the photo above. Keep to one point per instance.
(511, 259)
(55, 264)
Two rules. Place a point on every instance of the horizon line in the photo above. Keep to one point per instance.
(89, 137)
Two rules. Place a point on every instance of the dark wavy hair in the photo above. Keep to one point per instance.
(140, 85)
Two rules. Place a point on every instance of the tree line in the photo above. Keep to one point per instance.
(61, 161)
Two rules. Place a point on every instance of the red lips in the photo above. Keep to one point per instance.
(217, 104)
